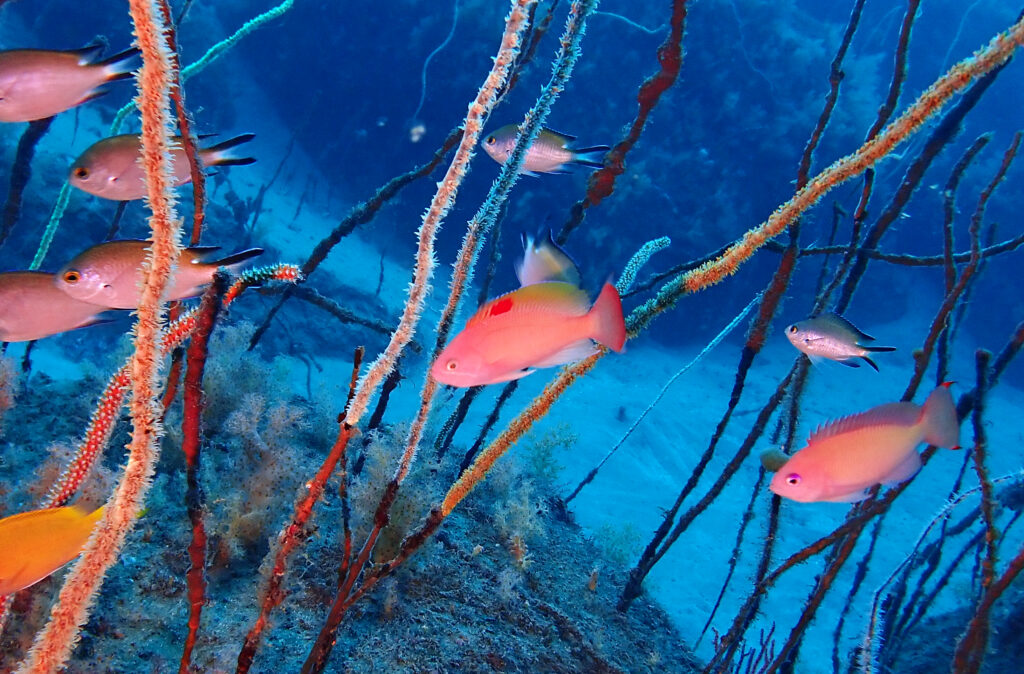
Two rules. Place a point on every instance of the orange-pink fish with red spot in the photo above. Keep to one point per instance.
(539, 325)
(846, 458)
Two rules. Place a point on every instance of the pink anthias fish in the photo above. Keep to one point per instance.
(549, 153)
(109, 274)
(845, 458)
(37, 83)
(32, 307)
(110, 168)
(547, 322)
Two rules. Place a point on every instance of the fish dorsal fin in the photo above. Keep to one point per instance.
(890, 414)
(564, 137)
(88, 54)
(561, 298)
(544, 260)
(841, 320)
(201, 253)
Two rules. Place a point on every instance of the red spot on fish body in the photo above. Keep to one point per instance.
(501, 306)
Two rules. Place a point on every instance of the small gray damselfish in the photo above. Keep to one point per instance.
(832, 336)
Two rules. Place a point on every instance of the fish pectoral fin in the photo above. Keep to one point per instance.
(569, 353)
(512, 376)
(851, 497)
(904, 471)
(774, 459)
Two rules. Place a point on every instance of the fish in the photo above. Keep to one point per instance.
(549, 153)
(109, 274)
(543, 260)
(32, 307)
(845, 458)
(38, 542)
(832, 336)
(40, 83)
(110, 168)
(539, 325)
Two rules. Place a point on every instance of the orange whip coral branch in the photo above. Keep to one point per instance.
(104, 417)
(959, 77)
(997, 52)
(515, 26)
(53, 645)
(483, 221)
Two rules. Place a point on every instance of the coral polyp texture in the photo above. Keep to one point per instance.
(424, 431)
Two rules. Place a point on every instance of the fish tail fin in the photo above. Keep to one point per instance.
(870, 362)
(94, 517)
(120, 66)
(941, 425)
(879, 349)
(609, 326)
(236, 260)
(221, 155)
(590, 156)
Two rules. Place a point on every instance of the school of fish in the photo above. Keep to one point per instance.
(548, 321)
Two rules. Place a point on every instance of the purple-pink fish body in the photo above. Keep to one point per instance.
(845, 458)
(110, 168)
(32, 307)
(109, 274)
(38, 83)
(539, 325)
(551, 151)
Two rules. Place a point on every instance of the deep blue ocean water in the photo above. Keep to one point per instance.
(331, 91)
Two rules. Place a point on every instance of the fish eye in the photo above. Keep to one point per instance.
(793, 479)
(72, 276)
(451, 365)
(81, 173)
(491, 140)
(793, 329)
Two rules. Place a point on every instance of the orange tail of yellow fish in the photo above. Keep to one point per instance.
(941, 426)
(610, 327)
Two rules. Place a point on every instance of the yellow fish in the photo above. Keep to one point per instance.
(32, 307)
(845, 458)
(539, 325)
(37, 83)
(550, 152)
(110, 168)
(832, 336)
(37, 543)
(109, 274)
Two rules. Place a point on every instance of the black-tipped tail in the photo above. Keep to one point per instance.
(119, 65)
(592, 157)
(221, 154)
(870, 362)
(238, 258)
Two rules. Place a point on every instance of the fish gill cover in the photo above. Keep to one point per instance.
(286, 486)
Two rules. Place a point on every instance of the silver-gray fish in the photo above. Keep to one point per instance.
(109, 274)
(32, 307)
(39, 83)
(832, 336)
(550, 152)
